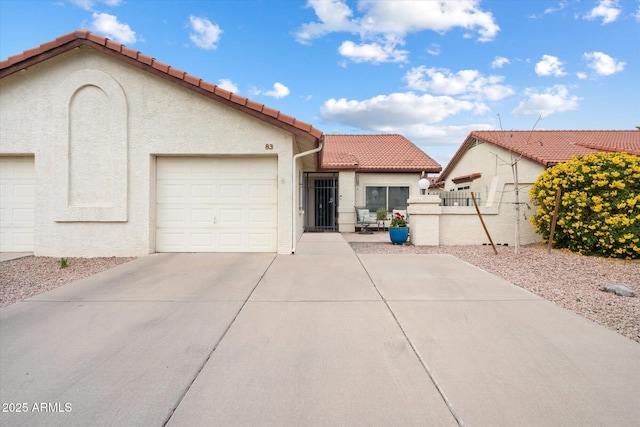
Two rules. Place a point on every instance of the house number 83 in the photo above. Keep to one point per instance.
(268, 146)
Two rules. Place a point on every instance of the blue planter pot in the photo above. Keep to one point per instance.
(398, 235)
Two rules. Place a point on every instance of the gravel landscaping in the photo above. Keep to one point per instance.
(26, 277)
(572, 281)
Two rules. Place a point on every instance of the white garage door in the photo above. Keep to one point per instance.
(216, 204)
(17, 179)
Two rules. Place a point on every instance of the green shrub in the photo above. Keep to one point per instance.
(599, 213)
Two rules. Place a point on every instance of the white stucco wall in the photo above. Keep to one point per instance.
(352, 188)
(461, 226)
(160, 118)
(346, 201)
(374, 179)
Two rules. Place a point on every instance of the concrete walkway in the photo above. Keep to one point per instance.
(324, 337)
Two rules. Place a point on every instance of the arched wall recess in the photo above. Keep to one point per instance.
(90, 149)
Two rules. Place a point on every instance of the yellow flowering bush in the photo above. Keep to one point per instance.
(599, 212)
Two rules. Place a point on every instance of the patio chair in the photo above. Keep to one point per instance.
(364, 219)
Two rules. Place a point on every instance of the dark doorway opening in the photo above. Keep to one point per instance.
(321, 203)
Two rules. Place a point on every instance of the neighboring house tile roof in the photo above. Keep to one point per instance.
(79, 38)
(466, 178)
(375, 153)
(550, 147)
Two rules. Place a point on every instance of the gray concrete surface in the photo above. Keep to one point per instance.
(8, 256)
(504, 356)
(323, 337)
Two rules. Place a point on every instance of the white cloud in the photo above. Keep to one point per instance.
(549, 66)
(227, 84)
(88, 4)
(279, 91)
(434, 49)
(553, 100)
(431, 135)
(383, 25)
(499, 62)
(603, 64)
(204, 34)
(334, 16)
(607, 10)
(405, 17)
(372, 52)
(560, 6)
(397, 109)
(552, 9)
(469, 84)
(581, 75)
(109, 26)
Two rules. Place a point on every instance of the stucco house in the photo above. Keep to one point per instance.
(483, 164)
(370, 171)
(105, 151)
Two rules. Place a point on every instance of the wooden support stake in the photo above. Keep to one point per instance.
(554, 219)
(482, 221)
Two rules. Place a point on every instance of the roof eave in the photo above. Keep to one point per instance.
(400, 170)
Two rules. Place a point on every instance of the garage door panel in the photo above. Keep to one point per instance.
(263, 170)
(201, 168)
(23, 239)
(175, 217)
(17, 198)
(197, 168)
(232, 193)
(262, 240)
(197, 240)
(170, 217)
(202, 217)
(167, 192)
(231, 217)
(201, 240)
(170, 239)
(215, 204)
(204, 191)
(231, 241)
(263, 193)
(262, 217)
(23, 190)
(22, 217)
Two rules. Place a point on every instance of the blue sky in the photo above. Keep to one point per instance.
(430, 70)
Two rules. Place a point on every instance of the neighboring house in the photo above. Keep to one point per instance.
(483, 164)
(105, 151)
(371, 171)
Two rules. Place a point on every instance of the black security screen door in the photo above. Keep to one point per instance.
(321, 202)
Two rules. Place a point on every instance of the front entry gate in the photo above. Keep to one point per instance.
(320, 201)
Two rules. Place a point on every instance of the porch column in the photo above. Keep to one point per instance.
(424, 219)
(346, 201)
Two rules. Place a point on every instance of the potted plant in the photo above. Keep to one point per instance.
(381, 214)
(398, 230)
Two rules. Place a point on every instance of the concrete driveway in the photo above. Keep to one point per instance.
(324, 337)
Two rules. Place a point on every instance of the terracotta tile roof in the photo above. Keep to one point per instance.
(79, 38)
(466, 178)
(549, 147)
(379, 153)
